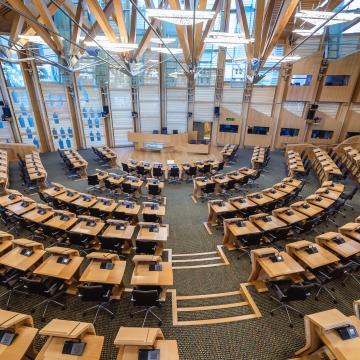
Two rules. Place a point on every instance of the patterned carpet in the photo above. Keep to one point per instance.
(266, 338)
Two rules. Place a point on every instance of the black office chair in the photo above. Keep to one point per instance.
(126, 168)
(248, 243)
(154, 190)
(218, 168)
(145, 247)
(157, 172)
(208, 190)
(150, 299)
(191, 172)
(11, 280)
(327, 274)
(309, 225)
(141, 171)
(80, 240)
(285, 292)
(51, 288)
(100, 293)
(78, 210)
(279, 234)
(128, 189)
(248, 211)
(253, 178)
(174, 175)
(348, 196)
(205, 169)
(93, 183)
(111, 244)
(45, 198)
(111, 188)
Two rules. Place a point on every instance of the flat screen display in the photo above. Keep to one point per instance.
(229, 128)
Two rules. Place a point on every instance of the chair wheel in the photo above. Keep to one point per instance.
(291, 325)
(332, 289)
(63, 308)
(84, 313)
(32, 311)
(342, 284)
(301, 316)
(316, 298)
(42, 319)
(8, 308)
(271, 313)
(160, 323)
(334, 301)
(112, 317)
(131, 315)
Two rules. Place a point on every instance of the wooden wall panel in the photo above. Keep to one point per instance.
(352, 121)
(306, 66)
(228, 138)
(256, 118)
(348, 65)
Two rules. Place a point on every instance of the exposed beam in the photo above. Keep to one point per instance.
(16, 28)
(19, 6)
(47, 20)
(132, 37)
(259, 17)
(119, 14)
(242, 20)
(76, 32)
(209, 25)
(198, 30)
(189, 27)
(101, 19)
(182, 33)
(285, 15)
(266, 24)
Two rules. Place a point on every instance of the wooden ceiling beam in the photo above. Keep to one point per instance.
(102, 19)
(48, 21)
(266, 25)
(209, 25)
(132, 37)
(119, 14)
(44, 34)
(242, 20)
(259, 17)
(16, 29)
(285, 15)
(182, 33)
(198, 30)
(76, 31)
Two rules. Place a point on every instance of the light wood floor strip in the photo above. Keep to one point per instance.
(217, 321)
(201, 259)
(222, 254)
(249, 299)
(195, 254)
(212, 307)
(208, 296)
(197, 266)
(207, 228)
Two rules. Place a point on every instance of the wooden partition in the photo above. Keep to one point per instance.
(348, 65)
(228, 117)
(353, 141)
(306, 66)
(256, 118)
(13, 149)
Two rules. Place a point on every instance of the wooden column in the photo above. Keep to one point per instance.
(108, 121)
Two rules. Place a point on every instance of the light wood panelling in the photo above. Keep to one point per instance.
(13, 149)
(352, 121)
(226, 137)
(348, 65)
(256, 118)
(306, 66)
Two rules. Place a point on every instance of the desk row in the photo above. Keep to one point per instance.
(4, 171)
(75, 164)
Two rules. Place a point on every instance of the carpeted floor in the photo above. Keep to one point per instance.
(265, 338)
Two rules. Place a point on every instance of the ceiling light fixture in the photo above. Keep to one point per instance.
(226, 39)
(289, 58)
(164, 50)
(163, 40)
(307, 32)
(180, 17)
(319, 17)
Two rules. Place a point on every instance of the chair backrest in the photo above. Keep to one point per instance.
(45, 198)
(231, 184)
(127, 188)
(192, 170)
(125, 167)
(206, 168)
(296, 292)
(157, 171)
(96, 212)
(109, 243)
(145, 247)
(76, 238)
(150, 218)
(209, 188)
(145, 297)
(221, 166)
(154, 189)
(34, 285)
(93, 179)
(281, 233)
(93, 292)
(252, 239)
(174, 172)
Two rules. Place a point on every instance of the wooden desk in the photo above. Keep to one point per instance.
(158, 211)
(289, 216)
(9, 199)
(351, 230)
(60, 331)
(347, 249)
(320, 329)
(85, 201)
(21, 207)
(159, 237)
(286, 188)
(105, 205)
(125, 234)
(143, 276)
(68, 196)
(292, 181)
(242, 203)
(54, 190)
(323, 257)
(82, 227)
(198, 185)
(5, 242)
(94, 274)
(129, 211)
(263, 267)
(320, 201)
(328, 193)
(273, 224)
(40, 214)
(15, 260)
(233, 230)
(274, 193)
(247, 171)
(220, 181)
(306, 208)
(217, 208)
(58, 222)
(259, 198)
(68, 272)
(22, 345)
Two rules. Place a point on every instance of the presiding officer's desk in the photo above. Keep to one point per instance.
(262, 267)
(339, 244)
(60, 331)
(320, 330)
(22, 345)
(131, 340)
